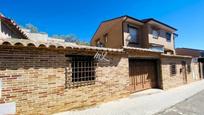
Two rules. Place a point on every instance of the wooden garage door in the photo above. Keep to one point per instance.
(142, 74)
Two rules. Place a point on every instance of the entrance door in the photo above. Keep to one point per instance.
(184, 73)
(142, 74)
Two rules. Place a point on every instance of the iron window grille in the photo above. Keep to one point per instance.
(168, 36)
(82, 71)
(173, 69)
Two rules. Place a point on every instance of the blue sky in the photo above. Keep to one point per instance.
(82, 17)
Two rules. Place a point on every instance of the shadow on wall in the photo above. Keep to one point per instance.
(28, 57)
(113, 61)
(24, 58)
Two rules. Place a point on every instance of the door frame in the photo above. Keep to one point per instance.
(157, 69)
(184, 72)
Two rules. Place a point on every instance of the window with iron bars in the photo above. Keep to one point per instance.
(172, 69)
(82, 71)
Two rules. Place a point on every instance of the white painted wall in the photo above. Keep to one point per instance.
(8, 108)
(42, 37)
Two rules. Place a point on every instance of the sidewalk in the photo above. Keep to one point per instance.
(143, 103)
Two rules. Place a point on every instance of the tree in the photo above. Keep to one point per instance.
(67, 38)
(32, 28)
(83, 43)
(71, 38)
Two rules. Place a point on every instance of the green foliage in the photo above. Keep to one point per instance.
(83, 43)
(71, 38)
(67, 38)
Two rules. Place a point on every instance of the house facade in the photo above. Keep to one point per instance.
(131, 35)
(197, 55)
(127, 31)
(45, 77)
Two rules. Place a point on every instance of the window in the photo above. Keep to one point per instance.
(189, 68)
(155, 34)
(133, 34)
(99, 44)
(106, 38)
(172, 69)
(82, 71)
(168, 37)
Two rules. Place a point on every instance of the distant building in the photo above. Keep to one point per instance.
(190, 52)
(42, 37)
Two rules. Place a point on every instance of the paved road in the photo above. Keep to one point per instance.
(191, 106)
(146, 103)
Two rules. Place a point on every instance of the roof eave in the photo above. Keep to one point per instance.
(152, 19)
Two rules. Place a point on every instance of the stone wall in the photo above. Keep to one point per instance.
(171, 81)
(35, 80)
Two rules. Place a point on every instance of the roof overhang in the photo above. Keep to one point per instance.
(12, 42)
(158, 23)
(176, 56)
(140, 49)
(133, 20)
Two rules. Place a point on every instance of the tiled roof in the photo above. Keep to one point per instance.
(64, 45)
(11, 22)
(52, 44)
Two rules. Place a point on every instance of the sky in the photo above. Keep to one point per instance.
(82, 17)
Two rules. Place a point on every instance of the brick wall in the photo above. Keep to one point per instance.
(171, 81)
(35, 80)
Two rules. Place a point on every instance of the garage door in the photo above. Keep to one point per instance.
(142, 74)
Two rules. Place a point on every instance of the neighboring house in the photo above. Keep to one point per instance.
(39, 76)
(40, 36)
(190, 52)
(9, 29)
(151, 35)
(198, 57)
(126, 31)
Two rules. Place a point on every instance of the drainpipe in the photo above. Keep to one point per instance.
(123, 32)
(0, 26)
(201, 70)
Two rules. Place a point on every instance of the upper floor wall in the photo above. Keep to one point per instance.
(109, 34)
(150, 35)
(165, 38)
(131, 32)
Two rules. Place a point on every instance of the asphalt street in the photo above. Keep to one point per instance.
(191, 106)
